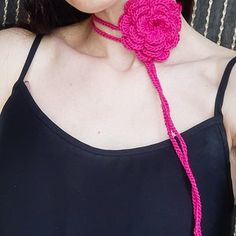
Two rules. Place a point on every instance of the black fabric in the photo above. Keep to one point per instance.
(52, 184)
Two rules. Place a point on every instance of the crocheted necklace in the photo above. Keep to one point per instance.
(151, 29)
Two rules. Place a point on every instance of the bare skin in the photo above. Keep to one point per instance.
(99, 92)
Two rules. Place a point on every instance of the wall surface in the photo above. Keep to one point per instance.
(216, 20)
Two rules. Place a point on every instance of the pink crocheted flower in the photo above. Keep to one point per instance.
(151, 28)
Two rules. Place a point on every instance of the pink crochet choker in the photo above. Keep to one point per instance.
(150, 28)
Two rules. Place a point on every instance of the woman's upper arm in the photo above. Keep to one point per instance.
(14, 46)
(230, 106)
(233, 108)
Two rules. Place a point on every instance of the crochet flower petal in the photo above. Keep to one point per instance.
(124, 24)
(140, 11)
(135, 37)
(142, 25)
(151, 27)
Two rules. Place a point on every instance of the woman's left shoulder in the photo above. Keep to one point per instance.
(223, 57)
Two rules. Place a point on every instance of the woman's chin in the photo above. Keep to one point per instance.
(93, 6)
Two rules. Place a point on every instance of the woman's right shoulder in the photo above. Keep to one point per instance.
(14, 47)
(15, 39)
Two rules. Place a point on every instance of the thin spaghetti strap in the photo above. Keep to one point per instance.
(29, 58)
(222, 87)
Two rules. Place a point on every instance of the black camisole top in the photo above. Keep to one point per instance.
(52, 184)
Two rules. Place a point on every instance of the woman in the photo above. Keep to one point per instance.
(83, 145)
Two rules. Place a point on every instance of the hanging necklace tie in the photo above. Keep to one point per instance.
(151, 28)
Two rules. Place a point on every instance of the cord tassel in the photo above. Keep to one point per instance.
(180, 151)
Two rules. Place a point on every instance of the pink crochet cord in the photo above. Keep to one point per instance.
(151, 29)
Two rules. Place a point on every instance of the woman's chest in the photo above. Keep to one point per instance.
(113, 110)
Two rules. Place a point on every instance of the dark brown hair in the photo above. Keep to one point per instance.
(46, 15)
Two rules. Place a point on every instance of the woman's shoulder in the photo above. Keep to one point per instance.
(15, 41)
(205, 56)
(21, 33)
(14, 46)
(210, 48)
(219, 58)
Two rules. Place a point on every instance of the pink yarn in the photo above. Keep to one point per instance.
(151, 29)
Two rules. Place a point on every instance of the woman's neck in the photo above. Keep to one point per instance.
(124, 59)
(121, 59)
